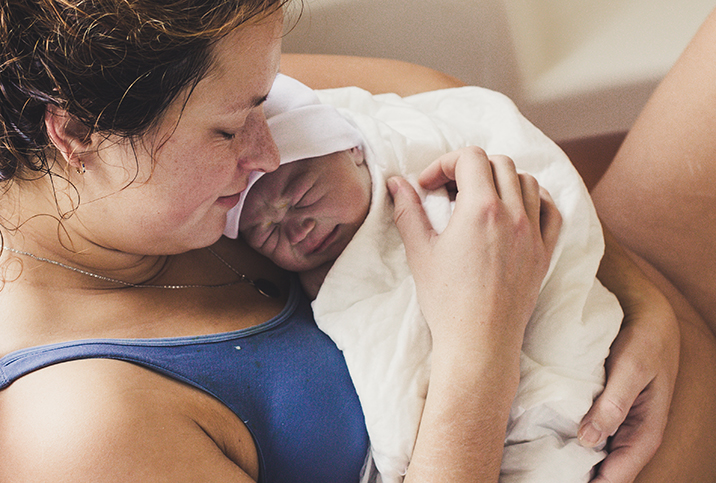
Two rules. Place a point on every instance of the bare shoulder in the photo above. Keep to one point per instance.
(106, 420)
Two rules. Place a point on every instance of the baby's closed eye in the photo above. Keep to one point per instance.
(269, 238)
(308, 198)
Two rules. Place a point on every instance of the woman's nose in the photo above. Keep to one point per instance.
(263, 155)
(297, 229)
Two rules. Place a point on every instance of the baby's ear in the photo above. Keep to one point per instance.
(357, 155)
(67, 134)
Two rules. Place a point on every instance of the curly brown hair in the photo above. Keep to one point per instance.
(114, 65)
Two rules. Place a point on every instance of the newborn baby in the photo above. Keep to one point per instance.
(303, 215)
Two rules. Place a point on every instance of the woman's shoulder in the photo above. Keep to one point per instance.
(219, 299)
(102, 420)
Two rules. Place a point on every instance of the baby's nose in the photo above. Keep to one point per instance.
(298, 229)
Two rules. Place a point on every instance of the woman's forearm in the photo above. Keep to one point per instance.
(477, 284)
(464, 421)
(641, 370)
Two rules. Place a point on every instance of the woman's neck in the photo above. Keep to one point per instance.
(75, 262)
(41, 218)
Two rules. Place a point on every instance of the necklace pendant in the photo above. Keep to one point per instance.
(266, 288)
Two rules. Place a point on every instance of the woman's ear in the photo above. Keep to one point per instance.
(68, 135)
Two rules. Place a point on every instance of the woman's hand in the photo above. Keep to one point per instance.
(488, 264)
(641, 372)
(477, 285)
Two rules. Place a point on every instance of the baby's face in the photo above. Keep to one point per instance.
(304, 214)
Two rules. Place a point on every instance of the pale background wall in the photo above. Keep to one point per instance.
(575, 68)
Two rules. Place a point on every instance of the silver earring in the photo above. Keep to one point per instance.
(81, 168)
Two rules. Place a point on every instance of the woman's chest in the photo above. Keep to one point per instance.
(281, 386)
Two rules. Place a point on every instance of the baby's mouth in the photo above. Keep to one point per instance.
(327, 240)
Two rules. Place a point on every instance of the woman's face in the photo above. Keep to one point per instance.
(306, 212)
(170, 192)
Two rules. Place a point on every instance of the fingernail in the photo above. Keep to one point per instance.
(589, 435)
(392, 185)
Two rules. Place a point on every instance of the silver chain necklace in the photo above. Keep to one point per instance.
(261, 285)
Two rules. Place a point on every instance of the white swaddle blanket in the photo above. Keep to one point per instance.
(367, 303)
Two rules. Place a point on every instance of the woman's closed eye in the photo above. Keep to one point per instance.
(235, 126)
(231, 129)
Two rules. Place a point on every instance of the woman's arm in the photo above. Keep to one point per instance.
(477, 285)
(641, 370)
(105, 421)
(377, 76)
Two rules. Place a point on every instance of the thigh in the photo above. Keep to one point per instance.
(665, 211)
(659, 195)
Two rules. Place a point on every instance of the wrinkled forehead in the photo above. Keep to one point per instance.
(276, 190)
(272, 186)
(294, 178)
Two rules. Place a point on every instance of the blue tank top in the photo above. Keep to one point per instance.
(285, 379)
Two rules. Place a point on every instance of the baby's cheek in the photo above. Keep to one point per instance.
(253, 242)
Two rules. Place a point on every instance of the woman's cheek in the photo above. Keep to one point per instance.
(190, 205)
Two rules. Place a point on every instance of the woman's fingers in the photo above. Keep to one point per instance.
(638, 436)
(550, 220)
(636, 441)
(495, 250)
(530, 197)
(473, 166)
(611, 408)
(409, 215)
(634, 405)
(471, 170)
(508, 183)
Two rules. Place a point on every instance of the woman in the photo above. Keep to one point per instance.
(129, 130)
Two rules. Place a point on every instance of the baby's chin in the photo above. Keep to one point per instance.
(311, 280)
(302, 266)
(298, 265)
